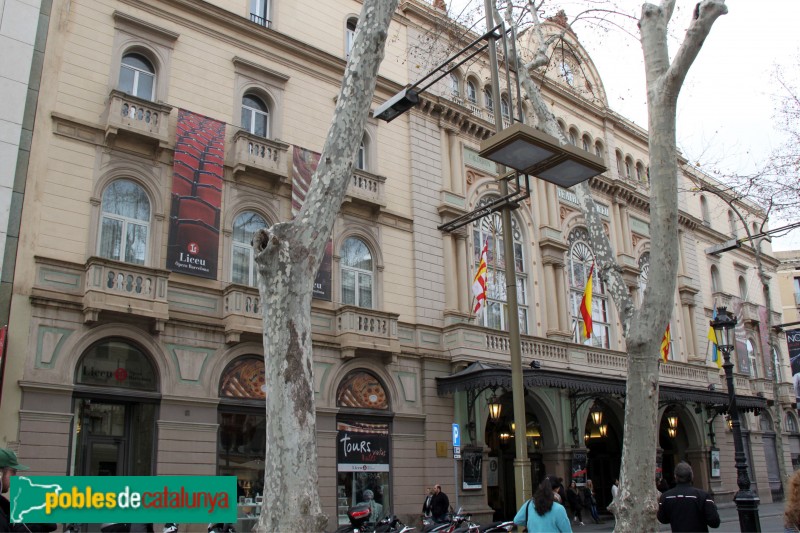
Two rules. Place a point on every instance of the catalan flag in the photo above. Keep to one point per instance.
(665, 345)
(586, 306)
(712, 337)
(479, 283)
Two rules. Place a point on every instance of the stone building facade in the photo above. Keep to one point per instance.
(134, 364)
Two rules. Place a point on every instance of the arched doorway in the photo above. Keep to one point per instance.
(115, 404)
(603, 440)
(241, 443)
(363, 444)
(500, 438)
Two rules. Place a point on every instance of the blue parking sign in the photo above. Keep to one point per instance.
(456, 435)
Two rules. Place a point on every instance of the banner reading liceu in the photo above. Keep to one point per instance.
(197, 174)
(136, 499)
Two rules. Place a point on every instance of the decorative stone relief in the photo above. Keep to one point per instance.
(190, 361)
(48, 345)
(408, 384)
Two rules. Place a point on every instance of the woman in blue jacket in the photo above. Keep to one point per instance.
(541, 514)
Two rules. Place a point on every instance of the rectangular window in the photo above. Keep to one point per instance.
(259, 12)
(136, 246)
(348, 287)
(111, 239)
(240, 270)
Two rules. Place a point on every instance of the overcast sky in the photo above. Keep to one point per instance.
(726, 109)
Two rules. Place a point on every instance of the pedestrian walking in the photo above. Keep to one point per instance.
(685, 508)
(9, 466)
(426, 505)
(542, 514)
(590, 501)
(574, 501)
(440, 504)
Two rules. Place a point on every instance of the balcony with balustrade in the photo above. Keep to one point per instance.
(122, 288)
(261, 157)
(241, 312)
(131, 116)
(367, 332)
(367, 189)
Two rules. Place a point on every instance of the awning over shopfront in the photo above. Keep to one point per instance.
(480, 375)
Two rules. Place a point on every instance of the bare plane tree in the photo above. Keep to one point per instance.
(637, 502)
(287, 256)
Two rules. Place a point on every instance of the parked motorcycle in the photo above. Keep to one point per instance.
(221, 528)
(360, 522)
(497, 527)
(457, 522)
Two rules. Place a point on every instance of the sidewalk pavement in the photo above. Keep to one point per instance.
(768, 512)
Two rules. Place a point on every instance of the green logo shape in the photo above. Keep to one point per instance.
(136, 499)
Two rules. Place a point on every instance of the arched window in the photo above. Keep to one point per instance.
(742, 288)
(619, 164)
(628, 168)
(494, 314)
(350, 35)
(137, 76)
(732, 222)
(791, 423)
(116, 363)
(488, 100)
(640, 172)
(598, 149)
(573, 137)
(259, 12)
(704, 210)
(243, 269)
(125, 223)
(472, 93)
(586, 143)
(580, 261)
(361, 156)
(644, 273)
(752, 355)
(505, 109)
(255, 115)
(454, 84)
(716, 284)
(357, 273)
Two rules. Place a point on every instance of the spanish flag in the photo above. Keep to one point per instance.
(712, 337)
(586, 306)
(479, 283)
(665, 345)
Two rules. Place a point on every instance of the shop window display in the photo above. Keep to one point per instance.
(242, 435)
(363, 451)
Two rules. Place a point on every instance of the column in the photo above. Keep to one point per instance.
(550, 316)
(616, 220)
(450, 281)
(461, 273)
(689, 332)
(456, 168)
(626, 231)
(561, 299)
(541, 202)
(447, 174)
(552, 206)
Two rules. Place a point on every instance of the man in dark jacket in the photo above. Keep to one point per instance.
(440, 504)
(9, 467)
(686, 508)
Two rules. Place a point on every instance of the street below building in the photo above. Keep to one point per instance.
(770, 514)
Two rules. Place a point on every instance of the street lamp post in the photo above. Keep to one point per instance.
(746, 500)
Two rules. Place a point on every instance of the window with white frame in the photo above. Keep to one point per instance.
(752, 356)
(791, 424)
(494, 314)
(137, 76)
(125, 223)
(259, 12)
(580, 262)
(255, 115)
(243, 270)
(357, 273)
(716, 284)
(472, 92)
(505, 110)
(704, 210)
(454, 84)
(361, 156)
(350, 35)
(742, 288)
(488, 100)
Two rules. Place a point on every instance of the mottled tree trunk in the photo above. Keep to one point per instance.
(637, 503)
(288, 256)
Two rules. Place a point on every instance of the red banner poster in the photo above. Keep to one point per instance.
(196, 195)
(304, 163)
